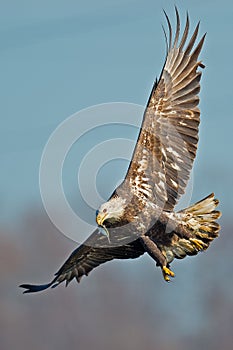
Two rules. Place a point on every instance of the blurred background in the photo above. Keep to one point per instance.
(57, 58)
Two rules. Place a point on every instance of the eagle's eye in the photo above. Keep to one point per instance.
(104, 210)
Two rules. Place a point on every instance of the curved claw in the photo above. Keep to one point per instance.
(167, 273)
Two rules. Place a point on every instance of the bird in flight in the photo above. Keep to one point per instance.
(139, 216)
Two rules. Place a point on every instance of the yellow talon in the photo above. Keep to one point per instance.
(166, 273)
(166, 278)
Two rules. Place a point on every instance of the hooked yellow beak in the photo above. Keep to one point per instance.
(100, 221)
(100, 218)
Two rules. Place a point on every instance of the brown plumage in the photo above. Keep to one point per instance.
(169, 132)
(139, 217)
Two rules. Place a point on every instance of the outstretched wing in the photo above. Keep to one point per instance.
(167, 143)
(94, 252)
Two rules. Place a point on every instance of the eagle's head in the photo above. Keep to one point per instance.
(110, 212)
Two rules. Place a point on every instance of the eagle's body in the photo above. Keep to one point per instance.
(139, 217)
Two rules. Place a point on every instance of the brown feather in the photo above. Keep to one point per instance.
(169, 132)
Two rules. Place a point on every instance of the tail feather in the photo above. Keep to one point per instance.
(200, 218)
(204, 206)
(196, 230)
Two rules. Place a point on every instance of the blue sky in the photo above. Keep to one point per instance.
(58, 57)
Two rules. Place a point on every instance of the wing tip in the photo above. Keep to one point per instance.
(170, 30)
(34, 288)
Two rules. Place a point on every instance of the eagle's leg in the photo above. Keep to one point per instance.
(156, 254)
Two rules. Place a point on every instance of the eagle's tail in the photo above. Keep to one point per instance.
(197, 228)
(200, 219)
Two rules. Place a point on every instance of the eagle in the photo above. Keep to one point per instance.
(139, 216)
